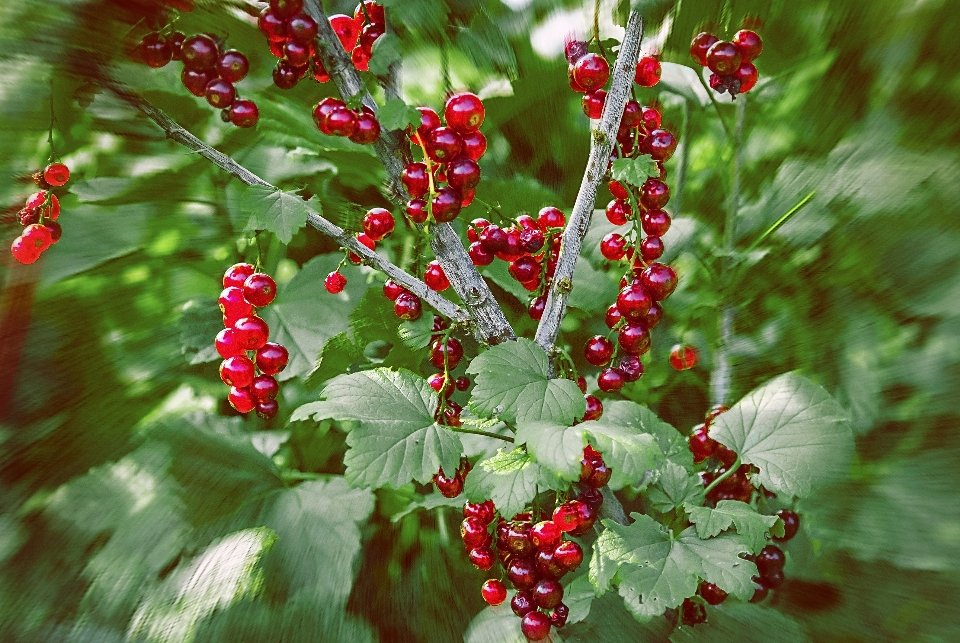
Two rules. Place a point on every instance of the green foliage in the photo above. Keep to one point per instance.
(675, 488)
(277, 211)
(748, 523)
(200, 321)
(510, 479)
(396, 114)
(635, 171)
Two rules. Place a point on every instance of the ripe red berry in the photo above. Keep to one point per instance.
(651, 248)
(618, 190)
(56, 174)
(429, 120)
(631, 367)
(535, 625)
(446, 205)
(494, 592)
(723, 58)
(335, 282)
(558, 618)
(435, 278)
(196, 81)
(591, 71)
(226, 344)
(244, 113)
(155, 50)
(568, 555)
(241, 399)
(474, 533)
(770, 560)
(524, 269)
(453, 350)
(219, 93)
(545, 535)
(378, 223)
(618, 212)
(711, 593)
(547, 593)
(366, 241)
(24, 251)
(633, 302)
(566, 517)
(38, 236)
(660, 144)
(37, 200)
(522, 573)
(346, 29)
(682, 357)
(791, 524)
(655, 222)
(654, 194)
(594, 408)
(417, 210)
(474, 145)
(408, 308)
(648, 72)
(272, 24)
(550, 217)
(252, 332)
(237, 371)
(267, 409)
(592, 103)
(746, 75)
(448, 487)
(613, 246)
(415, 179)
(522, 604)
(598, 350)
(232, 66)
(233, 304)
(634, 339)
(259, 289)
(368, 129)
(701, 444)
(660, 281)
(264, 387)
(464, 112)
(700, 45)
(237, 274)
(444, 144)
(463, 173)
(749, 44)
(610, 379)
(342, 121)
(272, 358)
(199, 53)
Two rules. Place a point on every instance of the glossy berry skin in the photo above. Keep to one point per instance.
(233, 304)
(37, 200)
(651, 248)
(683, 358)
(264, 387)
(408, 307)
(610, 379)
(479, 255)
(535, 626)
(302, 29)
(613, 246)
(494, 592)
(547, 566)
(692, 612)
(199, 53)
(474, 533)
(598, 350)
(545, 535)
(435, 278)
(365, 241)
(474, 145)
(37, 236)
(448, 487)
(749, 44)
(634, 339)
(272, 358)
(770, 560)
(568, 555)
(453, 350)
(654, 194)
(746, 75)
(701, 444)
(591, 72)
(237, 371)
(700, 45)
(659, 280)
(547, 593)
(378, 223)
(791, 524)
(566, 516)
(346, 29)
(267, 409)
(592, 103)
(522, 604)
(342, 122)
(444, 144)
(464, 112)
(631, 367)
(618, 212)
(415, 179)
(591, 497)
(241, 399)
(558, 618)
(335, 282)
(524, 269)
(155, 50)
(484, 511)
(56, 174)
(550, 217)
(244, 113)
(196, 81)
(723, 58)
(273, 25)
(417, 211)
(367, 131)
(660, 144)
(226, 344)
(522, 573)
(655, 222)
(618, 190)
(463, 174)
(613, 316)
(518, 539)
(633, 302)
(252, 332)
(598, 478)
(219, 93)
(446, 205)
(631, 115)
(24, 251)
(594, 408)
(232, 66)
(259, 289)
(392, 290)
(711, 593)
(648, 72)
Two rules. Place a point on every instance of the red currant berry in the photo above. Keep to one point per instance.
(522, 573)
(568, 555)
(701, 444)
(634, 339)
(233, 304)
(545, 535)
(28, 216)
(444, 144)
(244, 113)
(463, 174)
(592, 103)
(618, 190)
(38, 236)
(746, 75)
(633, 302)
(259, 289)
(749, 44)
(618, 212)
(654, 315)
(550, 217)
(272, 358)
(37, 200)
(479, 255)
(760, 591)
(155, 50)
(558, 618)
(655, 222)
(659, 280)
(613, 316)
(408, 307)
(56, 174)
(335, 282)
(368, 129)
(651, 248)
(524, 269)
(241, 399)
(518, 539)
(610, 379)
(435, 278)
(712, 594)
(237, 371)
(448, 487)
(613, 246)
(267, 409)
(566, 517)
(252, 332)
(484, 511)
(346, 29)
(522, 604)
(591, 71)
(648, 72)
(464, 112)
(378, 223)
(700, 45)
(272, 25)
(474, 533)
(24, 251)
(366, 241)
(535, 625)
(654, 194)
(660, 144)
(651, 119)
(546, 564)
(791, 524)
(232, 66)
(302, 29)
(219, 93)
(199, 53)
(392, 289)
(342, 122)
(237, 274)
(723, 58)
(196, 81)
(417, 210)
(494, 592)
(226, 344)
(770, 560)
(594, 408)
(453, 350)
(264, 387)
(446, 205)
(547, 593)
(683, 358)
(598, 350)
(429, 120)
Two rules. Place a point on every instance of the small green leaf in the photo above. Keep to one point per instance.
(428, 503)
(793, 431)
(677, 487)
(512, 383)
(416, 334)
(508, 478)
(748, 522)
(386, 52)
(397, 115)
(282, 213)
(578, 596)
(635, 171)
(338, 354)
(641, 420)
(199, 325)
(557, 447)
(397, 440)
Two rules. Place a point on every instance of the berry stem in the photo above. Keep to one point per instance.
(716, 106)
(460, 429)
(596, 27)
(601, 144)
(726, 474)
(786, 217)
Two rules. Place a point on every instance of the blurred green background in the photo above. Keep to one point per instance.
(135, 506)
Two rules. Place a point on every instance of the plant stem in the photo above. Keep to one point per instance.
(460, 429)
(601, 144)
(716, 105)
(726, 474)
(684, 160)
(720, 377)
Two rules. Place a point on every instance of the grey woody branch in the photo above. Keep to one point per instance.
(490, 324)
(346, 240)
(601, 146)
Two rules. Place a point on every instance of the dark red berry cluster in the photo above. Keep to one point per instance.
(39, 216)
(451, 487)
(292, 36)
(445, 355)
(730, 61)
(450, 155)
(683, 357)
(334, 118)
(209, 71)
(244, 333)
(377, 224)
(535, 556)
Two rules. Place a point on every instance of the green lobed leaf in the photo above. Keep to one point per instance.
(631, 454)
(578, 596)
(512, 382)
(416, 334)
(397, 440)
(635, 171)
(641, 420)
(282, 213)
(199, 325)
(748, 522)
(793, 431)
(397, 115)
(338, 354)
(677, 487)
(509, 479)
(557, 447)
(385, 52)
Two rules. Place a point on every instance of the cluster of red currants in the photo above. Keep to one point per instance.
(737, 485)
(243, 289)
(292, 36)
(208, 71)
(445, 354)
(451, 487)
(589, 72)
(334, 118)
(39, 216)
(450, 155)
(731, 62)
(377, 224)
(534, 555)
